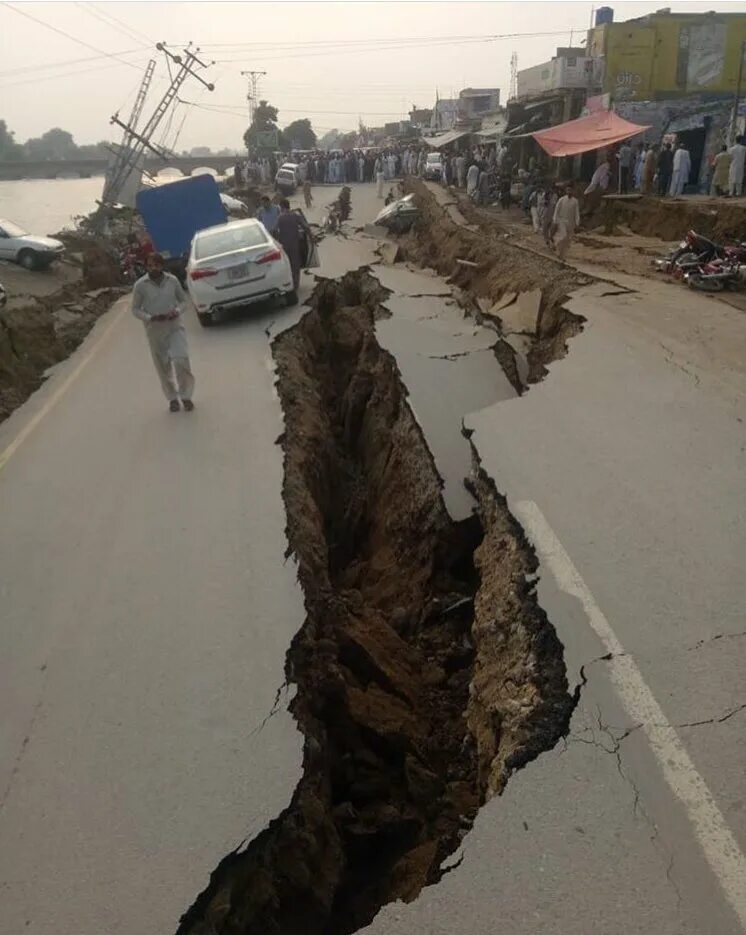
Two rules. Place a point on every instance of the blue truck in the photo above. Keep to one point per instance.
(174, 212)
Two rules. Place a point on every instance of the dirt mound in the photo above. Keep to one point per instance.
(671, 218)
(95, 256)
(41, 333)
(425, 671)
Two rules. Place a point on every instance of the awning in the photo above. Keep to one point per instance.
(586, 133)
(443, 139)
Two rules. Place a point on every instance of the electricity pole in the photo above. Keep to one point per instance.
(130, 155)
(737, 100)
(253, 77)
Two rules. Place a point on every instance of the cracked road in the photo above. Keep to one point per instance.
(147, 611)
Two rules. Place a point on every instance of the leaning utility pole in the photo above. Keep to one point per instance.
(253, 77)
(129, 156)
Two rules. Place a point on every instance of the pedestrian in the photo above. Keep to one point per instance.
(238, 175)
(461, 170)
(308, 197)
(535, 205)
(642, 155)
(665, 169)
(483, 185)
(737, 159)
(566, 220)
(721, 171)
(600, 178)
(682, 166)
(648, 171)
(158, 300)
(472, 180)
(380, 176)
(268, 213)
(625, 165)
(551, 197)
(290, 232)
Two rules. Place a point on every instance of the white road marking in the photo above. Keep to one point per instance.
(718, 843)
(57, 395)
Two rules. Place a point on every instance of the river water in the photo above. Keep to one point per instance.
(45, 206)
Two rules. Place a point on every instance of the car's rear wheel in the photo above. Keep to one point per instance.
(206, 319)
(28, 259)
(291, 298)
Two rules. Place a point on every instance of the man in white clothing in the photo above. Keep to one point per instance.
(737, 160)
(682, 166)
(461, 170)
(566, 220)
(158, 301)
(472, 178)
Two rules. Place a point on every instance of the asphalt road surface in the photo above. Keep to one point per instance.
(147, 610)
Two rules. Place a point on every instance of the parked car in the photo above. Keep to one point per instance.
(287, 178)
(31, 251)
(434, 167)
(236, 264)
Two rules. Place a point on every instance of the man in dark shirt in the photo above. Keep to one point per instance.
(665, 169)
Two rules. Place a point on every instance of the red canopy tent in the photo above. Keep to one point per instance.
(586, 133)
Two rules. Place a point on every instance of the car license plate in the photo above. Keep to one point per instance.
(238, 272)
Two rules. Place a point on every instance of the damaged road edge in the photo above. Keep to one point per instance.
(425, 671)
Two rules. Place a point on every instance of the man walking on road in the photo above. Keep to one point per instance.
(566, 220)
(625, 166)
(158, 300)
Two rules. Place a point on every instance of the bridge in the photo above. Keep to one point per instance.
(85, 168)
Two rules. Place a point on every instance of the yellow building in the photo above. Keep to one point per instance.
(669, 55)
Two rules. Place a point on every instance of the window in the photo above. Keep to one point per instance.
(572, 61)
(13, 230)
(232, 238)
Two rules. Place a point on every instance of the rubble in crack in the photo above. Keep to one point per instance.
(425, 671)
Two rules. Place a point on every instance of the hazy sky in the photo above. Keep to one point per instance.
(327, 61)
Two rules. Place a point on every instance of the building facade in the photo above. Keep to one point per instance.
(668, 55)
(569, 68)
(476, 103)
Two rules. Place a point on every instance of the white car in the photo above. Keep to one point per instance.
(30, 251)
(434, 167)
(236, 264)
(287, 178)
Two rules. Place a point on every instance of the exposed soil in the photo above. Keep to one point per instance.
(41, 332)
(723, 219)
(495, 267)
(426, 673)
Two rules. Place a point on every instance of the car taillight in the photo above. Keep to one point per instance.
(270, 257)
(203, 273)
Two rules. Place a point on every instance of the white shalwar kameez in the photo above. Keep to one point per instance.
(167, 339)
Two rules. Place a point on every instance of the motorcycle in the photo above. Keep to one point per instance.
(695, 251)
(717, 275)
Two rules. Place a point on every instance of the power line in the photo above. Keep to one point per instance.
(387, 39)
(64, 74)
(101, 17)
(70, 61)
(67, 35)
(131, 29)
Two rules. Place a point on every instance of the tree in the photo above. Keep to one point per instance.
(9, 149)
(265, 118)
(54, 144)
(299, 135)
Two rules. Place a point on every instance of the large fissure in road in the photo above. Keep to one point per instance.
(426, 672)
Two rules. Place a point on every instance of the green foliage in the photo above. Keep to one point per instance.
(55, 144)
(300, 135)
(265, 118)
